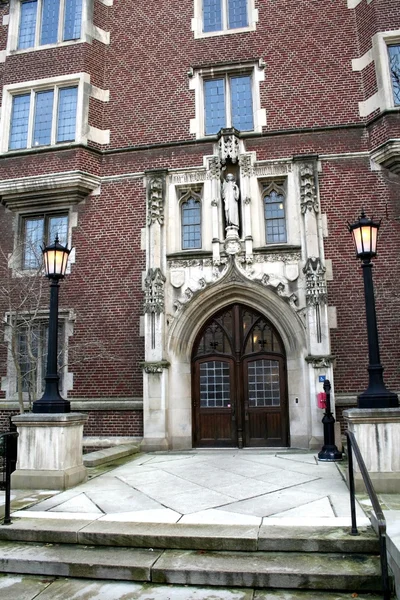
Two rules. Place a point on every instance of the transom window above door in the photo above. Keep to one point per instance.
(43, 22)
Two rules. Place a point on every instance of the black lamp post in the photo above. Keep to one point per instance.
(55, 259)
(365, 235)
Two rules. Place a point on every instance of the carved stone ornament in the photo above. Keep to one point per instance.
(214, 202)
(308, 190)
(320, 362)
(246, 167)
(228, 146)
(155, 367)
(232, 246)
(247, 200)
(177, 278)
(272, 169)
(316, 292)
(189, 177)
(285, 257)
(155, 201)
(154, 291)
(214, 166)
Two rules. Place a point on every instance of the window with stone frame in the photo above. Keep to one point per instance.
(43, 117)
(38, 230)
(394, 65)
(274, 200)
(228, 102)
(190, 205)
(32, 340)
(221, 15)
(43, 22)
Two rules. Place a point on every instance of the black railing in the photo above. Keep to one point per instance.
(380, 519)
(8, 460)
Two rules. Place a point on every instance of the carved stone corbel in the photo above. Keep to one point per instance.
(154, 291)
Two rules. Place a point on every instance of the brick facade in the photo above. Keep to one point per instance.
(311, 96)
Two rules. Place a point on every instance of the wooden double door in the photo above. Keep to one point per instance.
(239, 382)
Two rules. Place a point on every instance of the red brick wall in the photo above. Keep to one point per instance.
(108, 423)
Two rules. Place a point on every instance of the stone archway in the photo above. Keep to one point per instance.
(186, 327)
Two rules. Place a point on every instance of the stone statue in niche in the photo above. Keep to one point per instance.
(230, 195)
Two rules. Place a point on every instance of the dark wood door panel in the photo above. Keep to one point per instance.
(239, 382)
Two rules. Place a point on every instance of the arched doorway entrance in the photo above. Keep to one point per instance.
(239, 387)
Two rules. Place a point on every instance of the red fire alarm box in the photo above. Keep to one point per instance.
(321, 400)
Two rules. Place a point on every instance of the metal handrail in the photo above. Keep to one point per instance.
(8, 436)
(380, 518)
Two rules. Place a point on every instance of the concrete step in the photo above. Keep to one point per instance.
(250, 538)
(293, 570)
(35, 587)
(106, 455)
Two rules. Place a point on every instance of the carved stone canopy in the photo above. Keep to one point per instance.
(228, 145)
(316, 291)
(154, 291)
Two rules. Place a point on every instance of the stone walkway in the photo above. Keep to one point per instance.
(224, 487)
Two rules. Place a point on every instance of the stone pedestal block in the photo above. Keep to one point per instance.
(377, 432)
(49, 451)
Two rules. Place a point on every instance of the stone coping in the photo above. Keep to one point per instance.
(372, 415)
(49, 420)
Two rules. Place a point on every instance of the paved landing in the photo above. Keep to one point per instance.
(209, 487)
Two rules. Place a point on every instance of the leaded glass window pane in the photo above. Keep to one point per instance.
(212, 15)
(32, 352)
(43, 118)
(394, 61)
(57, 227)
(237, 13)
(275, 219)
(19, 122)
(214, 385)
(241, 103)
(191, 224)
(263, 383)
(50, 15)
(72, 20)
(34, 233)
(41, 230)
(214, 103)
(66, 118)
(27, 24)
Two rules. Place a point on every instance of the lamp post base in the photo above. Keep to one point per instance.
(56, 405)
(378, 399)
(329, 453)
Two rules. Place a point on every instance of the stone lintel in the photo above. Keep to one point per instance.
(372, 415)
(50, 420)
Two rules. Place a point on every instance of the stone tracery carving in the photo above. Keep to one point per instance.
(308, 189)
(155, 202)
(154, 291)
